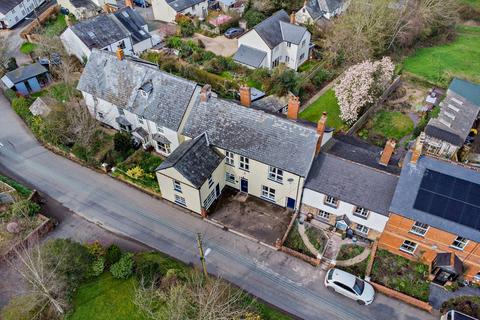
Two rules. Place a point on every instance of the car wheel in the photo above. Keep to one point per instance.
(331, 289)
(361, 302)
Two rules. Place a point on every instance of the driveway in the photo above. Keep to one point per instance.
(273, 276)
(219, 45)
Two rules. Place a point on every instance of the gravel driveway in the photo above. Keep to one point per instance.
(219, 45)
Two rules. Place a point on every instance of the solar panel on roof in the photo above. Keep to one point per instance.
(451, 198)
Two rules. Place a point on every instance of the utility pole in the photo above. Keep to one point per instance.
(202, 255)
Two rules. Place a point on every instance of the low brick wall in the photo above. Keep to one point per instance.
(304, 257)
(402, 297)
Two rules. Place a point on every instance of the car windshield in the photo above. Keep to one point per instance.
(358, 286)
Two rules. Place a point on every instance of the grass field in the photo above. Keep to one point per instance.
(459, 58)
(328, 103)
(392, 124)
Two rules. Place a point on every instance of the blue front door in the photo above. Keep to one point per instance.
(290, 203)
(244, 185)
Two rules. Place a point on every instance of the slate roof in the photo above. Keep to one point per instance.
(250, 56)
(277, 29)
(180, 5)
(134, 23)
(118, 82)
(100, 31)
(317, 8)
(7, 5)
(348, 169)
(408, 188)
(26, 72)
(271, 104)
(457, 114)
(254, 134)
(194, 159)
(84, 4)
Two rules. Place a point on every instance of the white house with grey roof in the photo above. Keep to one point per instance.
(167, 10)
(125, 29)
(447, 133)
(14, 11)
(315, 10)
(133, 95)
(349, 188)
(274, 41)
(266, 156)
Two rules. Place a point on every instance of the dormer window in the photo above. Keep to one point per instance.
(146, 89)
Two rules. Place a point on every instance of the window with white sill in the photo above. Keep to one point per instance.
(177, 186)
(275, 174)
(210, 182)
(361, 212)
(180, 200)
(362, 229)
(164, 147)
(229, 158)
(460, 243)
(331, 201)
(419, 228)
(268, 193)
(408, 246)
(229, 177)
(244, 163)
(323, 215)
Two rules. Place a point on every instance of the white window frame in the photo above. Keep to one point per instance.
(209, 200)
(268, 193)
(408, 246)
(361, 212)
(180, 200)
(121, 111)
(164, 147)
(244, 163)
(177, 186)
(275, 174)
(289, 44)
(419, 228)
(229, 177)
(331, 201)
(287, 59)
(100, 115)
(140, 120)
(360, 228)
(459, 240)
(229, 158)
(324, 215)
(210, 182)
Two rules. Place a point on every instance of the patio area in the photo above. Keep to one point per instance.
(251, 216)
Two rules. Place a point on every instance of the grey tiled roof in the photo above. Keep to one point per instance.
(195, 160)
(254, 134)
(352, 182)
(272, 104)
(455, 120)
(469, 90)
(118, 82)
(7, 5)
(317, 8)
(134, 22)
(250, 56)
(270, 29)
(408, 187)
(84, 4)
(180, 5)
(26, 72)
(100, 31)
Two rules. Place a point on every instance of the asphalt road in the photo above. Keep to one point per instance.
(275, 277)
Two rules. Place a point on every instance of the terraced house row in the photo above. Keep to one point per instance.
(420, 207)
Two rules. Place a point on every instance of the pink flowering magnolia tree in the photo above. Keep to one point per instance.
(360, 85)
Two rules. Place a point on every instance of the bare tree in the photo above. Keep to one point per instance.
(4, 55)
(47, 291)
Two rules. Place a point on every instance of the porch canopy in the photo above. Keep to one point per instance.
(449, 262)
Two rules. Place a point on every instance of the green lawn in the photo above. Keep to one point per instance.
(27, 47)
(328, 103)
(392, 124)
(473, 3)
(349, 251)
(105, 298)
(54, 28)
(440, 63)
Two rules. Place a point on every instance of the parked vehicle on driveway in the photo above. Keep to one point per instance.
(350, 286)
(233, 32)
(455, 315)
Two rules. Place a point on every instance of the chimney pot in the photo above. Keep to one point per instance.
(387, 152)
(120, 54)
(245, 96)
(417, 148)
(293, 18)
(293, 107)
(321, 125)
(205, 93)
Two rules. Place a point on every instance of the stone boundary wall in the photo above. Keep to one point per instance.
(402, 297)
(367, 114)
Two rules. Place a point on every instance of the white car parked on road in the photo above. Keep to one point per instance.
(350, 286)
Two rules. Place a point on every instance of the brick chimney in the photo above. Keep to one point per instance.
(387, 152)
(293, 107)
(129, 3)
(417, 148)
(245, 96)
(120, 54)
(293, 18)
(205, 93)
(321, 125)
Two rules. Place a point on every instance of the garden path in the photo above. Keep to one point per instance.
(308, 244)
(362, 256)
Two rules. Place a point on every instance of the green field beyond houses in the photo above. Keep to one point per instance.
(439, 64)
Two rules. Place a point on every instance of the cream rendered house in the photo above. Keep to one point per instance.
(274, 41)
(136, 97)
(167, 10)
(351, 186)
(265, 155)
(14, 11)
